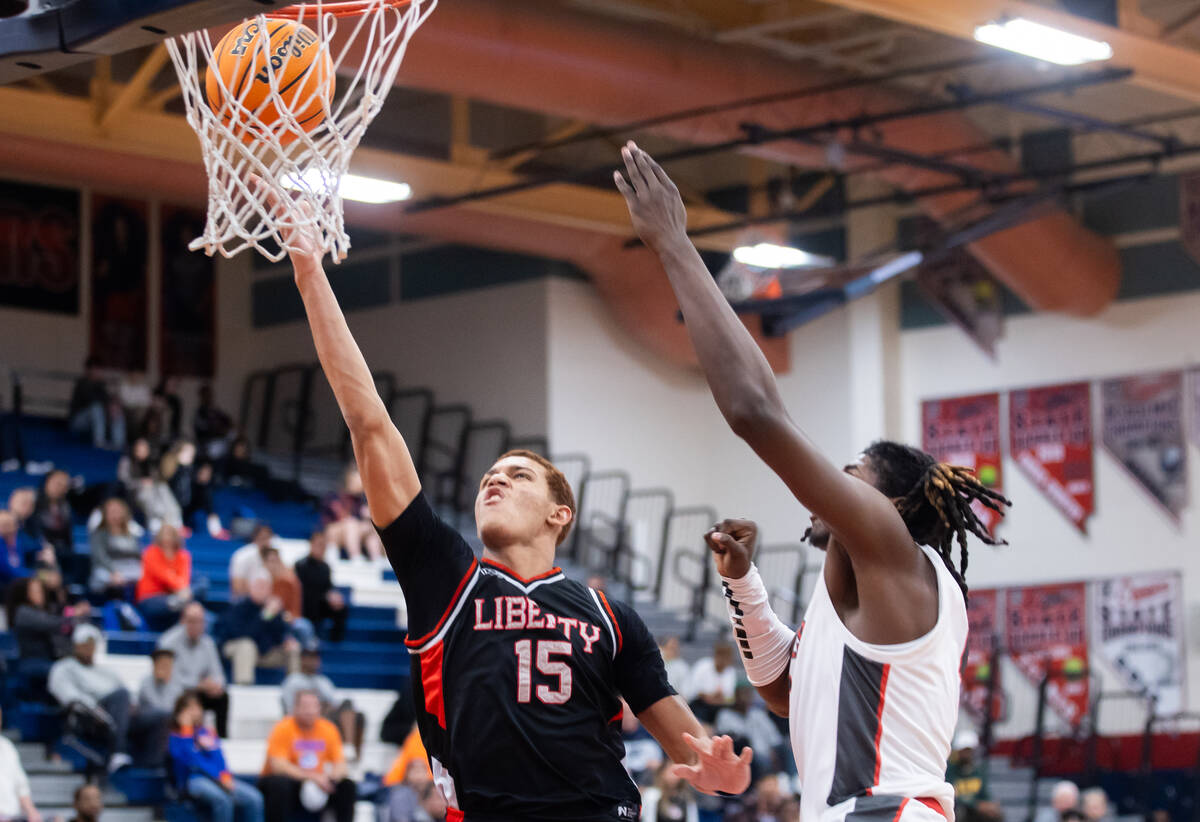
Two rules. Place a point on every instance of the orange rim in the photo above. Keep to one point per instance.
(345, 9)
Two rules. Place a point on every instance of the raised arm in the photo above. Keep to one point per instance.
(389, 477)
(740, 379)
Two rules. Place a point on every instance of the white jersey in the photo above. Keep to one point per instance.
(871, 724)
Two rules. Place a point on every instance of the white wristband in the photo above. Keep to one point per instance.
(763, 640)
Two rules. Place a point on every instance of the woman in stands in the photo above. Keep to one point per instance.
(41, 633)
(198, 768)
(138, 472)
(116, 552)
(53, 520)
(348, 522)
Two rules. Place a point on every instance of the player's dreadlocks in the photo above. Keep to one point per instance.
(934, 499)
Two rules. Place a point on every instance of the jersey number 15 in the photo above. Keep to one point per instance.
(546, 648)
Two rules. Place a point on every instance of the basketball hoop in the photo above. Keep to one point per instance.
(264, 138)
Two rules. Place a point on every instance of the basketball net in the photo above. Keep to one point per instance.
(304, 167)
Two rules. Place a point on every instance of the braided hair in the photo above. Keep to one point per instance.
(934, 500)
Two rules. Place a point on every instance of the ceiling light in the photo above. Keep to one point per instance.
(353, 187)
(770, 255)
(1043, 42)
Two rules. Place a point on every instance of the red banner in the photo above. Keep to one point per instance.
(1189, 213)
(1047, 633)
(985, 634)
(1050, 434)
(966, 431)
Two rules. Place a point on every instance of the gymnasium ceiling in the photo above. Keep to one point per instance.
(447, 134)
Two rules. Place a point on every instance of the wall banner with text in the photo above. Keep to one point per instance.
(985, 634)
(1050, 435)
(1143, 430)
(1046, 632)
(39, 248)
(966, 431)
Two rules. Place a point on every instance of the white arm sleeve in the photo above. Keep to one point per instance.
(763, 640)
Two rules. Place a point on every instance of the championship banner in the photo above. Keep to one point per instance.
(1143, 430)
(1189, 213)
(1047, 633)
(120, 265)
(984, 635)
(39, 248)
(1137, 628)
(189, 310)
(966, 431)
(1050, 436)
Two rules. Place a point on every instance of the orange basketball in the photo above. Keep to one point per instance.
(245, 64)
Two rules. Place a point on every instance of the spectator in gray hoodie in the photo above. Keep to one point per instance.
(116, 552)
(75, 679)
(197, 664)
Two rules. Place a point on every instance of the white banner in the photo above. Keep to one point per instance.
(1137, 628)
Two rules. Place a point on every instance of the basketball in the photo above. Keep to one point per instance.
(248, 63)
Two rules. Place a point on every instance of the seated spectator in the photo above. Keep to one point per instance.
(339, 711)
(240, 471)
(250, 559)
(1093, 803)
(75, 679)
(138, 472)
(40, 631)
(286, 587)
(197, 666)
(304, 748)
(968, 776)
(166, 582)
(116, 553)
(319, 599)
(678, 670)
(93, 412)
(411, 755)
(192, 486)
(54, 519)
(16, 548)
(765, 800)
(749, 724)
(1064, 797)
(199, 771)
(16, 799)
(166, 398)
(22, 502)
(669, 798)
(405, 797)
(88, 803)
(643, 756)
(211, 425)
(155, 700)
(348, 522)
(254, 633)
(712, 683)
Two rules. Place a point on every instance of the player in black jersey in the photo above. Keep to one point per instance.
(517, 671)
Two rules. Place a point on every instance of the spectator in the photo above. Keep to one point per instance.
(249, 560)
(53, 519)
(75, 679)
(304, 748)
(41, 633)
(319, 599)
(93, 412)
(241, 471)
(155, 700)
(348, 522)
(678, 670)
(1064, 797)
(116, 553)
(211, 425)
(88, 803)
(16, 548)
(712, 683)
(192, 486)
(16, 800)
(139, 473)
(197, 664)
(170, 405)
(166, 582)
(254, 633)
(22, 502)
(198, 767)
(765, 800)
(286, 587)
(411, 755)
(403, 800)
(748, 724)
(670, 798)
(1093, 803)
(643, 756)
(968, 776)
(341, 712)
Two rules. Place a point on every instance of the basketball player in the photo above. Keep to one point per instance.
(517, 671)
(871, 679)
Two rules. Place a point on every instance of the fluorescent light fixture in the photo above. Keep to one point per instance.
(1043, 42)
(353, 187)
(769, 255)
(897, 266)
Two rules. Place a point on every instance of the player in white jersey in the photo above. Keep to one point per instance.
(870, 680)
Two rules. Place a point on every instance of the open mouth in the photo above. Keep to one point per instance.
(492, 495)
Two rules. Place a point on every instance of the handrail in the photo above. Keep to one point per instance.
(587, 483)
(474, 428)
(699, 606)
(624, 546)
(452, 451)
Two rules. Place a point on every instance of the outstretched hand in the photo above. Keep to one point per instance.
(719, 769)
(732, 544)
(655, 206)
(296, 225)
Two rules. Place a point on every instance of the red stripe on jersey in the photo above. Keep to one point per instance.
(431, 683)
(512, 573)
(613, 617)
(900, 810)
(933, 805)
(617, 717)
(421, 640)
(454, 815)
(879, 721)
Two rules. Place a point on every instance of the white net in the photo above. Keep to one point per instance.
(270, 101)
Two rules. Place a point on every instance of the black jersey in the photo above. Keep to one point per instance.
(517, 682)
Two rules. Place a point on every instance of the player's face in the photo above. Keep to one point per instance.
(513, 503)
(818, 532)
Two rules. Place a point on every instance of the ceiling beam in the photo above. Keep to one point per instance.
(157, 135)
(134, 92)
(1156, 65)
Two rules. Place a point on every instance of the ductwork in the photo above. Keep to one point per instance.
(544, 57)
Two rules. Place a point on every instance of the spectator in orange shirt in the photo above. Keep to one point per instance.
(166, 582)
(304, 748)
(413, 750)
